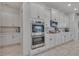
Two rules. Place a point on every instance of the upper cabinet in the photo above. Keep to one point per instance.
(9, 17)
(34, 10)
(44, 13)
(61, 18)
(39, 10)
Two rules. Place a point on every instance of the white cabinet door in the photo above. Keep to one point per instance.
(9, 19)
(65, 39)
(34, 10)
(41, 12)
(59, 38)
(52, 40)
(1, 19)
(9, 38)
(71, 36)
(16, 38)
(15, 20)
(1, 40)
(6, 39)
(47, 41)
(44, 13)
(55, 39)
(66, 36)
(54, 14)
(6, 21)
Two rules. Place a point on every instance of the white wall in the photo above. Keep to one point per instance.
(26, 29)
(9, 17)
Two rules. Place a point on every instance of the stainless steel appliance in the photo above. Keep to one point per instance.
(37, 34)
(53, 26)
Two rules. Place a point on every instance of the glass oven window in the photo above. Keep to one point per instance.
(37, 28)
(38, 40)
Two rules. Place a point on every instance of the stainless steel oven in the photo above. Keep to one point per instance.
(37, 34)
(37, 42)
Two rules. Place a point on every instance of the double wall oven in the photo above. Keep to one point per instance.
(37, 34)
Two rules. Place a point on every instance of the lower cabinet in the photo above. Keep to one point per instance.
(66, 36)
(71, 36)
(47, 41)
(57, 39)
(5, 39)
(52, 40)
(9, 38)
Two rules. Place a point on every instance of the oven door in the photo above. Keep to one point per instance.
(37, 42)
(37, 28)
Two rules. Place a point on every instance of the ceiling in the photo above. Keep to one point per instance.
(12, 4)
(62, 6)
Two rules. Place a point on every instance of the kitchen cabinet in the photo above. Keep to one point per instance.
(54, 14)
(9, 19)
(47, 41)
(39, 10)
(44, 13)
(59, 38)
(50, 40)
(15, 20)
(5, 39)
(67, 21)
(9, 38)
(0, 20)
(63, 36)
(1, 42)
(53, 40)
(66, 36)
(16, 38)
(34, 10)
(71, 35)
(62, 22)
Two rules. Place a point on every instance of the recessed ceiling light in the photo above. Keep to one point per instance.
(69, 5)
(75, 9)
